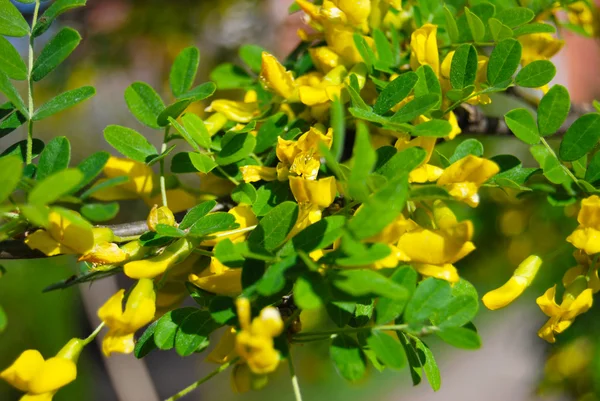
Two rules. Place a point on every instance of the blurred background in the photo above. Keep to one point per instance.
(130, 40)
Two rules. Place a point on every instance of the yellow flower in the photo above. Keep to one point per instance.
(449, 243)
(587, 236)
(357, 11)
(254, 343)
(581, 14)
(464, 177)
(539, 46)
(240, 112)
(424, 48)
(275, 77)
(108, 253)
(514, 287)
(576, 300)
(257, 173)
(40, 378)
(218, 279)
(173, 254)
(67, 233)
(141, 180)
(425, 172)
(442, 272)
(122, 324)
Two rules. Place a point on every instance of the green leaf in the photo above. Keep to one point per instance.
(451, 26)
(388, 309)
(145, 344)
(229, 76)
(553, 110)
(129, 143)
(203, 163)
(269, 131)
(196, 213)
(404, 161)
(338, 125)
(12, 22)
(467, 147)
(365, 51)
(173, 110)
(431, 295)
(63, 102)
(347, 357)
(274, 279)
(252, 56)
(226, 253)
(144, 103)
(319, 235)
(381, 209)
(581, 137)
(387, 349)
(553, 169)
(384, 51)
(99, 212)
(11, 62)
(274, 228)
(111, 182)
(504, 61)
(536, 74)
(523, 125)
(428, 83)
(11, 94)
(168, 325)
(364, 159)
(235, 148)
(55, 157)
(194, 331)
(165, 230)
(212, 223)
(499, 30)
(592, 175)
(427, 360)
(183, 72)
(223, 310)
(463, 70)
(415, 108)
(475, 25)
(270, 195)
(193, 131)
(12, 121)
(53, 187)
(55, 52)
(458, 312)
(460, 337)
(200, 92)
(308, 291)
(20, 149)
(362, 282)
(56, 9)
(536, 27)
(91, 167)
(395, 92)
(515, 16)
(433, 128)
(12, 169)
(244, 193)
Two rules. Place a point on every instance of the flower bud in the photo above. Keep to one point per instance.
(514, 287)
(160, 215)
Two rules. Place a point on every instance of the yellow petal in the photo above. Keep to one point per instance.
(357, 11)
(178, 200)
(580, 305)
(268, 323)
(23, 369)
(160, 215)
(320, 193)
(275, 77)
(105, 253)
(111, 312)
(71, 230)
(548, 304)
(312, 96)
(214, 123)
(54, 374)
(424, 48)
(139, 309)
(547, 330)
(37, 397)
(116, 342)
(244, 312)
(589, 214)
(227, 283)
(443, 272)
(503, 296)
(150, 268)
(141, 177)
(235, 111)
(585, 238)
(43, 242)
(241, 378)
(324, 58)
(257, 173)
(224, 351)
